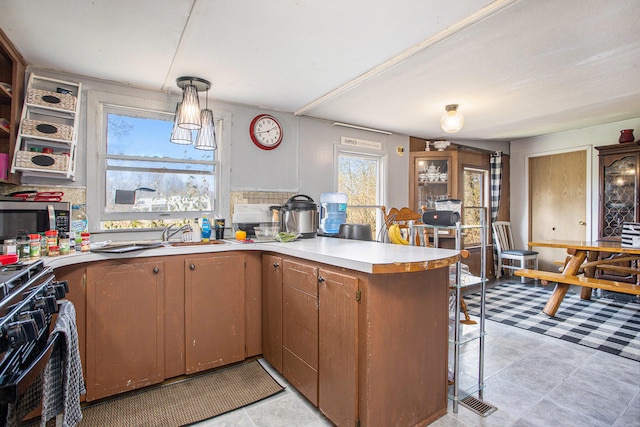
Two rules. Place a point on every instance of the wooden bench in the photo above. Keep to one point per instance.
(590, 282)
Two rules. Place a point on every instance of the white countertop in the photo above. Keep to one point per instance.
(367, 257)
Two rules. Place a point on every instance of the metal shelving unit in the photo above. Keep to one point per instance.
(470, 333)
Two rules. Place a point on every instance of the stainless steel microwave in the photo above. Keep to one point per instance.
(21, 216)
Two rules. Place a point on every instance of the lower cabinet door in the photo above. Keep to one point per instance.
(272, 310)
(125, 318)
(338, 347)
(214, 311)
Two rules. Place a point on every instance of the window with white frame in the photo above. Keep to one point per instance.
(359, 174)
(171, 183)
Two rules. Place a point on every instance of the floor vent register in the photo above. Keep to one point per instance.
(478, 406)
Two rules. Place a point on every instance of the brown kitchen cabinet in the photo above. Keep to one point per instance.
(111, 296)
(272, 310)
(437, 175)
(300, 327)
(339, 296)
(12, 71)
(125, 326)
(619, 183)
(433, 175)
(214, 311)
(75, 275)
(310, 324)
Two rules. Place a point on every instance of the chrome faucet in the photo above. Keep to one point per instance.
(168, 234)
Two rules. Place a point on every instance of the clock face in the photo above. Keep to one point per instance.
(265, 132)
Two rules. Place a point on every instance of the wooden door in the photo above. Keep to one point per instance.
(214, 311)
(272, 310)
(338, 347)
(557, 202)
(125, 326)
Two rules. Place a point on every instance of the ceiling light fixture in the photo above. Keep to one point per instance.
(180, 135)
(206, 139)
(189, 117)
(453, 120)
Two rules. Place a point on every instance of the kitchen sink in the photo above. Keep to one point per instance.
(210, 242)
(118, 248)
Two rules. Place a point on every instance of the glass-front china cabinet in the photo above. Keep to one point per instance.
(433, 176)
(619, 182)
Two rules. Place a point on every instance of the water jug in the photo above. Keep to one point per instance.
(333, 212)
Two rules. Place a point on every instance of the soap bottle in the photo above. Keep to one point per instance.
(79, 223)
(206, 229)
(197, 234)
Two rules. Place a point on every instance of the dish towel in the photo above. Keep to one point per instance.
(62, 378)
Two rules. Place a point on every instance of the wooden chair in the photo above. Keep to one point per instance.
(506, 251)
(402, 217)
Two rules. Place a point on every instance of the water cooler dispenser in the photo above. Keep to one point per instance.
(333, 212)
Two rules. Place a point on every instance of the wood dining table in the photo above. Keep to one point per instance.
(584, 258)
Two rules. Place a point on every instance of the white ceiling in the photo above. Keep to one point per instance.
(517, 68)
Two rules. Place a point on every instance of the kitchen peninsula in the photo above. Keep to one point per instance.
(359, 328)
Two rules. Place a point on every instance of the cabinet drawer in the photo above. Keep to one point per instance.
(300, 276)
(300, 324)
(303, 377)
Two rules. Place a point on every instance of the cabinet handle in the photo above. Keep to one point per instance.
(276, 265)
(156, 270)
(320, 279)
(192, 267)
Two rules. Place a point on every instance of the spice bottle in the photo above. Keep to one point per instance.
(51, 237)
(34, 246)
(10, 247)
(23, 247)
(64, 243)
(85, 243)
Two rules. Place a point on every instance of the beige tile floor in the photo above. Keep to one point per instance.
(533, 380)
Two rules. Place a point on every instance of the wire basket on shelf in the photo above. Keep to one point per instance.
(47, 129)
(45, 98)
(44, 161)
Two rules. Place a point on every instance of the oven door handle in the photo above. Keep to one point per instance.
(11, 391)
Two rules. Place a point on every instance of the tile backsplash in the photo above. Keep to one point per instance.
(74, 195)
(78, 195)
(259, 197)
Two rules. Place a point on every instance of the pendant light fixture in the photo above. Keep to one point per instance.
(452, 120)
(206, 139)
(180, 135)
(189, 117)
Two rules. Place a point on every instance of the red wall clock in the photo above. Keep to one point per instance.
(265, 132)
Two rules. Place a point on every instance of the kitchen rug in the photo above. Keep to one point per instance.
(603, 324)
(187, 401)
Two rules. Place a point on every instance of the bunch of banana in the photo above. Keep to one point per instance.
(396, 236)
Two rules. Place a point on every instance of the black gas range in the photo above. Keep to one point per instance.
(29, 297)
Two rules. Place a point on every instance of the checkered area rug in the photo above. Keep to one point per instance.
(603, 324)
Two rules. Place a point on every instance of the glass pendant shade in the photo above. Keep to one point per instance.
(189, 111)
(206, 139)
(453, 120)
(180, 135)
